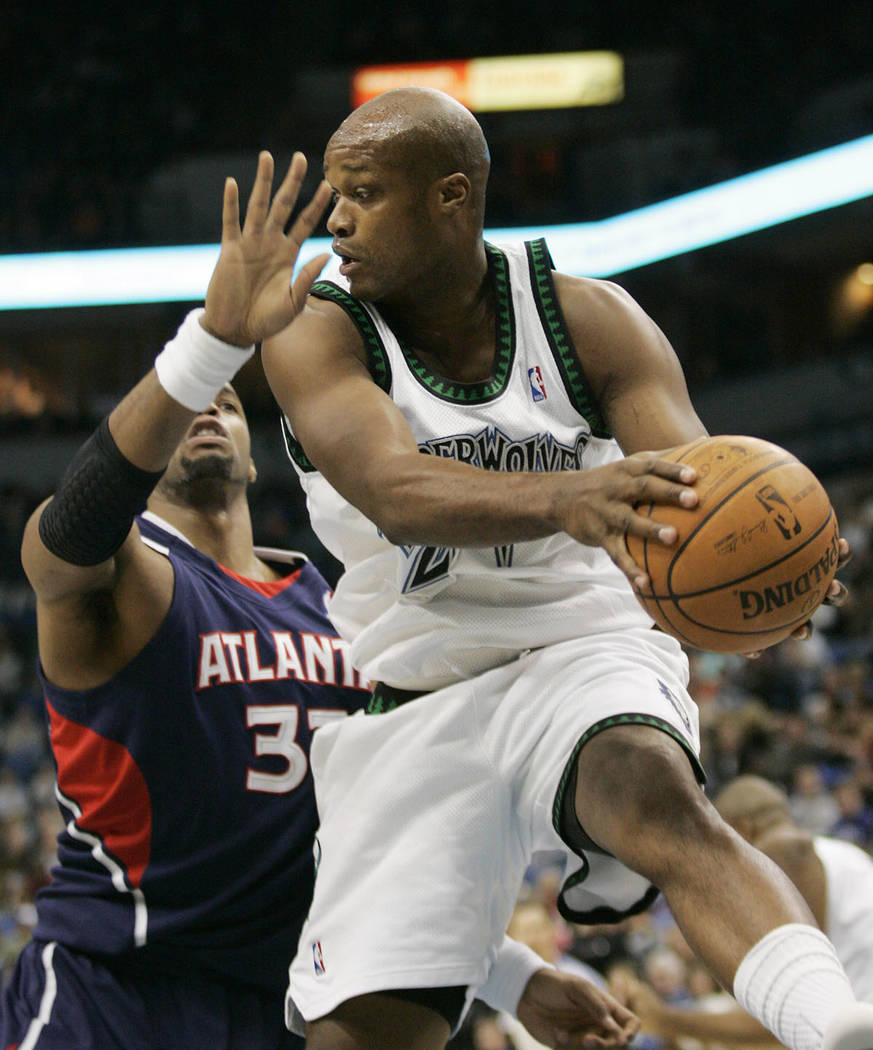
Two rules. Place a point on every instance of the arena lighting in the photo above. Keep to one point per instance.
(764, 198)
(511, 82)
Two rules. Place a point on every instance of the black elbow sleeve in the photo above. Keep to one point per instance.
(93, 509)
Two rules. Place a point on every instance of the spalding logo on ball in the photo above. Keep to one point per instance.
(753, 560)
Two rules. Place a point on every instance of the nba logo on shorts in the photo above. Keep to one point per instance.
(677, 706)
(317, 959)
(537, 386)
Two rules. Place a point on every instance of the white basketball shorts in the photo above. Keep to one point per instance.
(430, 814)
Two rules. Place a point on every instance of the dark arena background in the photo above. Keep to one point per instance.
(119, 125)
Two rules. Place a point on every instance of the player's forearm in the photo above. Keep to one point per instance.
(514, 965)
(112, 475)
(440, 502)
(148, 424)
(151, 420)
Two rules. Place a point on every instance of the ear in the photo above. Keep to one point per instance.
(454, 191)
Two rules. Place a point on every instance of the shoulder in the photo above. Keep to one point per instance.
(790, 847)
(328, 321)
(324, 333)
(601, 309)
(593, 291)
(616, 340)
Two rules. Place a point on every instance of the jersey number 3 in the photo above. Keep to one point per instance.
(286, 719)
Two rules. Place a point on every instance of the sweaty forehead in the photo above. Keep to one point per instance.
(392, 138)
(361, 154)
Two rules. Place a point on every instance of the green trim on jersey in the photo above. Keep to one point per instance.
(504, 354)
(377, 359)
(605, 913)
(555, 328)
(295, 449)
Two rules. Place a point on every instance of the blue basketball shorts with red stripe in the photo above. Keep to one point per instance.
(58, 999)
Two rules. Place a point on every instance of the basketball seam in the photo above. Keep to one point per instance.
(748, 576)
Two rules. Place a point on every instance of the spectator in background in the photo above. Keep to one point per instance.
(24, 742)
(667, 973)
(13, 796)
(11, 665)
(534, 925)
(812, 805)
(486, 1033)
(855, 820)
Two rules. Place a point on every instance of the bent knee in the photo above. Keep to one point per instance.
(638, 787)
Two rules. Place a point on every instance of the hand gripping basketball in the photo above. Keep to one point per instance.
(753, 560)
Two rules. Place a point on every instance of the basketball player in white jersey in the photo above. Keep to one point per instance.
(836, 880)
(161, 638)
(473, 431)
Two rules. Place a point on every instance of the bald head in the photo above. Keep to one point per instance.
(752, 804)
(425, 132)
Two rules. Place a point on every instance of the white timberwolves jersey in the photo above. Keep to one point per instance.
(849, 918)
(424, 617)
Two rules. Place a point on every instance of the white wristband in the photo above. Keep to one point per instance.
(513, 967)
(195, 365)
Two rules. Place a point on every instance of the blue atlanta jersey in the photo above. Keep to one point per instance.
(184, 781)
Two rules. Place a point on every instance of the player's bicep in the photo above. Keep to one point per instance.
(348, 427)
(94, 619)
(634, 371)
(651, 412)
(53, 578)
(646, 400)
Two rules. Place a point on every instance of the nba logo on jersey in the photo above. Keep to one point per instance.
(537, 386)
(317, 959)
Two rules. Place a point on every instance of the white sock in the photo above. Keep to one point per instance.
(794, 984)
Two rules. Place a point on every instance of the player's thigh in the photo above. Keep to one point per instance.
(418, 866)
(637, 795)
(378, 1022)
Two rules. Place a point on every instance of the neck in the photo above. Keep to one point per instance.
(222, 531)
(451, 321)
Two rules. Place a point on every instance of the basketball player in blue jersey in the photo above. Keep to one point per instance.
(473, 430)
(185, 672)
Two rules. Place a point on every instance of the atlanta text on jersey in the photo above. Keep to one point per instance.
(236, 656)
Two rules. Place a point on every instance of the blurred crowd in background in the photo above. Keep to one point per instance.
(84, 137)
(800, 715)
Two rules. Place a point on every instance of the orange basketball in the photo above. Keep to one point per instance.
(753, 559)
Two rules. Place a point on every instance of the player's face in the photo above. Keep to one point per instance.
(216, 445)
(380, 221)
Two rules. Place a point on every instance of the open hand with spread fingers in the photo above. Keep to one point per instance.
(251, 295)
